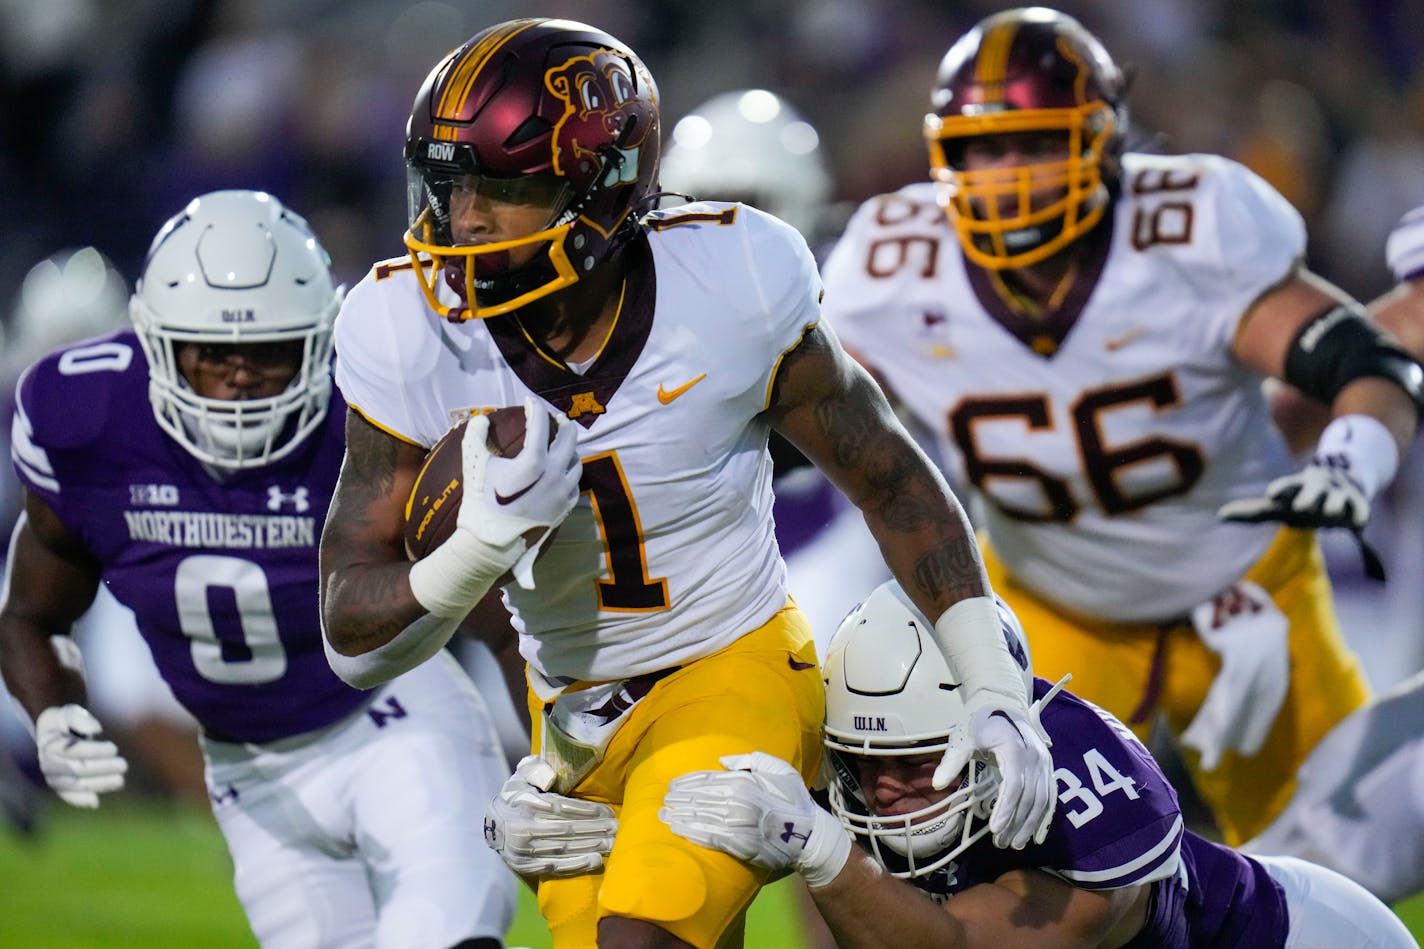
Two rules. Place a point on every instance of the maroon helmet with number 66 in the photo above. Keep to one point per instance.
(530, 111)
(1030, 69)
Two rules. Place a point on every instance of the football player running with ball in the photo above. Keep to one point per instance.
(1088, 330)
(187, 465)
(652, 609)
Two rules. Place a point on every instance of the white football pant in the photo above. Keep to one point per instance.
(1359, 805)
(369, 833)
(1327, 911)
(484, 671)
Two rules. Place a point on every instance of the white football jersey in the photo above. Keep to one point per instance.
(1105, 436)
(669, 554)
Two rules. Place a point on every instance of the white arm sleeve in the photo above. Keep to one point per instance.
(413, 645)
(971, 637)
(448, 582)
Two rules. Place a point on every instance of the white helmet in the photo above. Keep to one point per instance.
(751, 146)
(68, 296)
(889, 692)
(236, 267)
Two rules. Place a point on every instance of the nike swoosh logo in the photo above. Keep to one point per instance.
(666, 397)
(501, 499)
(1113, 345)
(796, 664)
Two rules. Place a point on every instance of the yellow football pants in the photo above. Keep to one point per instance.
(762, 693)
(1135, 671)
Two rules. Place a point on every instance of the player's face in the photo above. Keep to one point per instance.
(234, 371)
(899, 785)
(1012, 151)
(489, 210)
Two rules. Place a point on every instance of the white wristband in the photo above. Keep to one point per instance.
(827, 850)
(453, 577)
(971, 637)
(1363, 447)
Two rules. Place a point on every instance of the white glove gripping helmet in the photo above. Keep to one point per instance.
(236, 267)
(751, 146)
(889, 692)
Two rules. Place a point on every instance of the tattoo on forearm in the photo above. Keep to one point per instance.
(909, 505)
(951, 572)
(369, 604)
(903, 490)
(370, 467)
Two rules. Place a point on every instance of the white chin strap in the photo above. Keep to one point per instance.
(224, 439)
(220, 436)
(921, 842)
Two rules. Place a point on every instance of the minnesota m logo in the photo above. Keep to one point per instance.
(583, 403)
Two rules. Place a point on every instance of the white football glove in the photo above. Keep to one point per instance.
(535, 490)
(504, 499)
(542, 834)
(76, 762)
(1245, 628)
(1355, 457)
(1019, 745)
(997, 723)
(759, 811)
(1320, 495)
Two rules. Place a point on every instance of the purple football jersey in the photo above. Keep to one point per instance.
(221, 575)
(1118, 823)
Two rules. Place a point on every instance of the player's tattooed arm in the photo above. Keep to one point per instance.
(832, 409)
(365, 591)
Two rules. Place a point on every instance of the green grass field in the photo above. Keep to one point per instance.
(144, 876)
(133, 875)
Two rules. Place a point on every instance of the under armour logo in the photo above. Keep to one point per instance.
(491, 832)
(790, 832)
(300, 499)
(227, 795)
(1336, 461)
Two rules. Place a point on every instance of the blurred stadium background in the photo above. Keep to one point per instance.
(114, 112)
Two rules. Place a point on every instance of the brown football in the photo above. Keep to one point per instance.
(434, 501)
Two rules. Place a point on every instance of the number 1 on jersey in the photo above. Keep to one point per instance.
(628, 588)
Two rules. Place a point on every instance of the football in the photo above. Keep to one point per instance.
(434, 501)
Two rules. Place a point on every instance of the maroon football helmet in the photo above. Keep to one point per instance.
(1026, 70)
(534, 111)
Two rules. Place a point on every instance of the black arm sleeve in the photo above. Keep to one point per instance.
(1341, 345)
